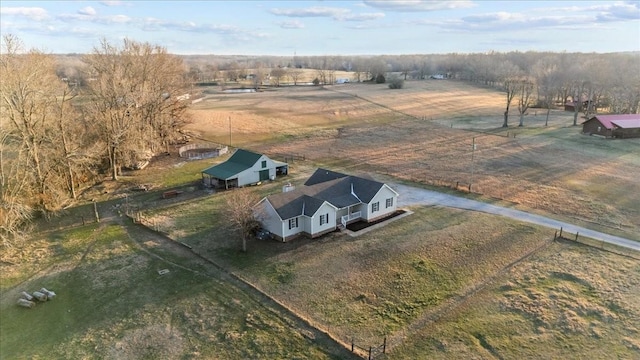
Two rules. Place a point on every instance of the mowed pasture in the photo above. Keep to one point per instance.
(419, 279)
(424, 133)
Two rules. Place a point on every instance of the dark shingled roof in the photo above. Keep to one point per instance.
(240, 160)
(322, 175)
(339, 190)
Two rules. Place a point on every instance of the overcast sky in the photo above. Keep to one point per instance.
(327, 27)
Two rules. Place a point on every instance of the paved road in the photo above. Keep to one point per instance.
(415, 196)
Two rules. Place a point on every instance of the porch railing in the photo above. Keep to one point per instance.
(346, 218)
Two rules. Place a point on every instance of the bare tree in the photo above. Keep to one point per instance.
(294, 75)
(277, 74)
(15, 206)
(34, 103)
(34, 107)
(578, 99)
(547, 81)
(240, 213)
(138, 100)
(509, 77)
(525, 98)
(233, 72)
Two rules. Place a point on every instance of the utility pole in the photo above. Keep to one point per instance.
(229, 131)
(473, 150)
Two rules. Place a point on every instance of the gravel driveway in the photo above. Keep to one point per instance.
(415, 196)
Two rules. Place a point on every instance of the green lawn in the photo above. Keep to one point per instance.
(112, 303)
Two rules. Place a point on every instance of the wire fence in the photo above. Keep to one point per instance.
(596, 244)
(289, 158)
(371, 352)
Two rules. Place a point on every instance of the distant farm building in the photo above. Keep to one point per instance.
(571, 105)
(613, 126)
(243, 168)
(342, 81)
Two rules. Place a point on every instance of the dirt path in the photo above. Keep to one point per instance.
(415, 196)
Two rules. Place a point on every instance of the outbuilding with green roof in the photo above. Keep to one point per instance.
(243, 168)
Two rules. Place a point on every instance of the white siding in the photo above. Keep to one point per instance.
(383, 194)
(324, 209)
(290, 232)
(305, 224)
(248, 177)
(252, 175)
(269, 217)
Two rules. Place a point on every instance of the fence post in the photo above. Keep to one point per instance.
(82, 220)
(369, 352)
(384, 345)
(576, 236)
(561, 232)
(352, 344)
(95, 210)
(555, 236)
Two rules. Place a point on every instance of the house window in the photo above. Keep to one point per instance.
(264, 164)
(375, 206)
(324, 219)
(389, 202)
(293, 223)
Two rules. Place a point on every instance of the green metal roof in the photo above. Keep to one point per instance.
(240, 160)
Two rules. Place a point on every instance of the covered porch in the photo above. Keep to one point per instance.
(349, 214)
(217, 183)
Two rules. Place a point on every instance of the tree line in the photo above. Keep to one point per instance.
(57, 138)
(606, 82)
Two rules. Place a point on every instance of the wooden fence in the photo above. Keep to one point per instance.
(289, 158)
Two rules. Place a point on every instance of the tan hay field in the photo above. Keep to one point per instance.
(423, 133)
(564, 302)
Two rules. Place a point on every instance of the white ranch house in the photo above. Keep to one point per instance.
(327, 201)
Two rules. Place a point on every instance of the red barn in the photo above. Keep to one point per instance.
(613, 126)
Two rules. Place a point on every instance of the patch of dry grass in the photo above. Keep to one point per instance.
(567, 301)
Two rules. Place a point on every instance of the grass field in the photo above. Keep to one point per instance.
(426, 269)
(111, 303)
(439, 283)
(424, 133)
(564, 302)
